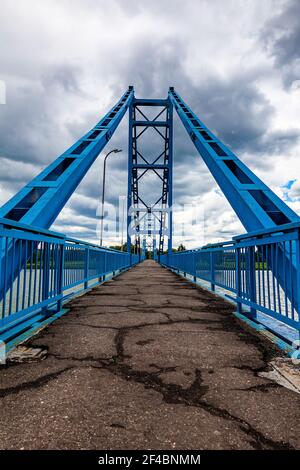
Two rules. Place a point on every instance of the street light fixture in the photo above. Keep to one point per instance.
(103, 190)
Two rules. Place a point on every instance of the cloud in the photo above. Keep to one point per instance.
(240, 114)
(281, 36)
(293, 193)
(64, 76)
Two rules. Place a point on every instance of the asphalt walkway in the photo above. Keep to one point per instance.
(147, 361)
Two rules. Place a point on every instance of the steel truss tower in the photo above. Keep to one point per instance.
(150, 218)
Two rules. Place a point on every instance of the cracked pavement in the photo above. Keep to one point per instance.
(147, 361)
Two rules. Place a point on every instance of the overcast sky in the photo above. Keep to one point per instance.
(235, 62)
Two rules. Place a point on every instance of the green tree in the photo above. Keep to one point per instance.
(181, 247)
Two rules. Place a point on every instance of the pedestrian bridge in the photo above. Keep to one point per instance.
(186, 350)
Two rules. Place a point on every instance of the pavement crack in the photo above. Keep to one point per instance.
(163, 370)
(145, 342)
(259, 388)
(33, 384)
(96, 327)
(259, 441)
(77, 359)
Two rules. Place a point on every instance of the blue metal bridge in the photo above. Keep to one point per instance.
(41, 269)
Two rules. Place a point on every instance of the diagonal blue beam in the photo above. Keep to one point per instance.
(256, 205)
(40, 201)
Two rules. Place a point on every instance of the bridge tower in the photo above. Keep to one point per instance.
(155, 114)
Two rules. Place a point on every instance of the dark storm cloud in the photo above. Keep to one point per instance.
(281, 36)
(240, 115)
(233, 107)
(29, 129)
(11, 176)
(64, 76)
(85, 206)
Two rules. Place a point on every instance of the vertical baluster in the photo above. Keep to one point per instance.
(268, 275)
(298, 282)
(273, 267)
(56, 269)
(19, 274)
(241, 270)
(263, 275)
(50, 270)
(238, 278)
(212, 271)
(30, 273)
(70, 258)
(232, 269)
(252, 280)
(25, 275)
(276, 276)
(41, 257)
(74, 255)
(35, 251)
(12, 278)
(86, 267)
(60, 274)
(5, 278)
(285, 267)
(194, 266)
(291, 277)
(67, 269)
(46, 268)
(245, 285)
(54, 264)
(105, 265)
(257, 262)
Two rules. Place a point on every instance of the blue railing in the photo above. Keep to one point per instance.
(40, 269)
(259, 271)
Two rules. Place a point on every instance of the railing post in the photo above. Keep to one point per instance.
(105, 266)
(212, 271)
(252, 280)
(2, 273)
(238, 279)
(298, 283)
(46, 269)
(100, 277)
(86, 266)
(61, 267)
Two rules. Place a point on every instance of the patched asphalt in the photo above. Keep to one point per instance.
(147, 361)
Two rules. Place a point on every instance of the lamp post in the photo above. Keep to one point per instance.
(103, 191)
